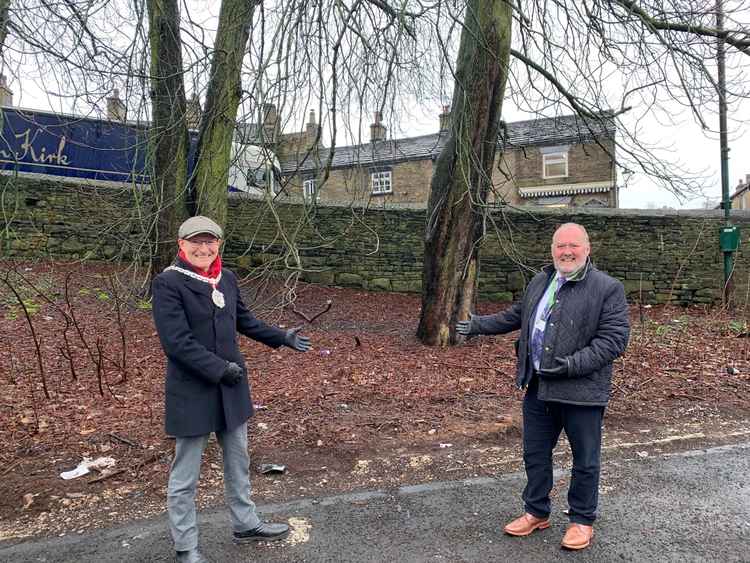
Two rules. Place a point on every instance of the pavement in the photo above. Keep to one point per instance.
(687, 506)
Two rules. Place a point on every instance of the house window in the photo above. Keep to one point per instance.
(381, 182)
(308, 188)
(555, 165)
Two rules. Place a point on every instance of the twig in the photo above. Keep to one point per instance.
(311, 319)
(119, 438)
(643, 384)
(464, 366)
(688, 397)
(34, 336)
(99, 366)
(68, 353)
(120, 328)
(11, 467)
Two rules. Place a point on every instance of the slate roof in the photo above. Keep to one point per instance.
(562, 130)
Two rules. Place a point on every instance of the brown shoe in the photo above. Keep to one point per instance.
(526, 524)
(578, 536)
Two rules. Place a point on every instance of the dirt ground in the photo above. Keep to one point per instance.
(81, 375)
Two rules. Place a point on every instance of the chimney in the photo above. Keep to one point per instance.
(377, 129)
(311, 130)
(747, 179)
(312, 125)
(445, 119)
(193, 112)
(6, 94)
(115, 107)
(270, 123)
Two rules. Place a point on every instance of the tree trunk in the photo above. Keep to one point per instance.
(460, 184)
(169, 134)
(4, 5)
(208, 184)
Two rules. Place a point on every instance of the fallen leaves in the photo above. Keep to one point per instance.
(374, 387)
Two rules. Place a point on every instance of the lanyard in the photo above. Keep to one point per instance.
(552, 296)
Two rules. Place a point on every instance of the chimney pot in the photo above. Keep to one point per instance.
(312, 129)
(445, 118)
(377, 129)
(115, 107)
(6, 94)
(270, 123)
(193, 112)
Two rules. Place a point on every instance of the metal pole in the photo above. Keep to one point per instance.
(724, 148)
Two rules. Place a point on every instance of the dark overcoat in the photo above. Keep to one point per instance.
(588, 324)
(199, 339)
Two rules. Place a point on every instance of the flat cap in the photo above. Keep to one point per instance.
(197, 225)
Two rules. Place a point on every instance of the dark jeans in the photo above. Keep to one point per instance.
(542, 423)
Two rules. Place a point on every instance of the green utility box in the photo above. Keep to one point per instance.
(729, 238)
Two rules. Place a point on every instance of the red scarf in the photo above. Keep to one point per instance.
(213, 270)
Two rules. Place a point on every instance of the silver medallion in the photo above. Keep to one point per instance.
(218, 298)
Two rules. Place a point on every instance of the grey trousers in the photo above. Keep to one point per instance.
(183, 481)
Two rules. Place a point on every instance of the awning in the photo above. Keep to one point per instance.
(565, 189)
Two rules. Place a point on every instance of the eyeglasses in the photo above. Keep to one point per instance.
(200, 242)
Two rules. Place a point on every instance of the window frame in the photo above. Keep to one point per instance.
(306, 193)
(377, 179)
(558, 157)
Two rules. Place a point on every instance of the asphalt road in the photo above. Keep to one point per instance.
(691, 506)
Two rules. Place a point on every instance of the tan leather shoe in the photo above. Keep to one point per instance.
(526, 524)
(578, 536)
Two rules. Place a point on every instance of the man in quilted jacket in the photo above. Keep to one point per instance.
(573, 322)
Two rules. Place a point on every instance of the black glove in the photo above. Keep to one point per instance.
(295, 341)
(464, 327)
(232, 374)
(562, 369)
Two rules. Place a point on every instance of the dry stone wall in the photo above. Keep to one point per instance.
(659, 255)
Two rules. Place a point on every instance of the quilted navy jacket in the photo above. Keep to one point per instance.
(199, 339)
(588, 323)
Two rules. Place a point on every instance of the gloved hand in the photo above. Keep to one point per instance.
(561, 369)
(464, 327)
(232, 374)
(296, 341)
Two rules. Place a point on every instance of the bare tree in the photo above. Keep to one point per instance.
(4, 4)
(462, 179)
(208, 184)
(169, 132)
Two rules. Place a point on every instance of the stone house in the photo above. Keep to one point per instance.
(741, 196)
(556, 162)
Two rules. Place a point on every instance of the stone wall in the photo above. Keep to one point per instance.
(659, 255)
(70, 221)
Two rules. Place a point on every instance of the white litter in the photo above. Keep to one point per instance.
(87, 465)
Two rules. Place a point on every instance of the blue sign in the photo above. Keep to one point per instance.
(64, 145)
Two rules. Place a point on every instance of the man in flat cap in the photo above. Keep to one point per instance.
(198, 312)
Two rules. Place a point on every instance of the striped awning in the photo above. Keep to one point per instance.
(565, 189)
